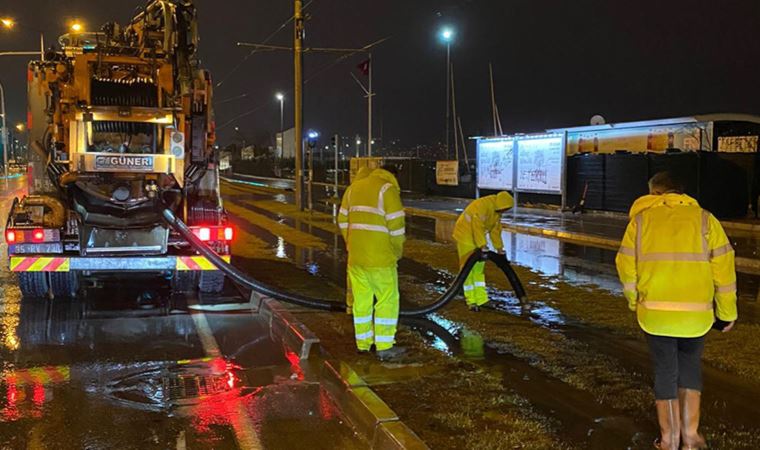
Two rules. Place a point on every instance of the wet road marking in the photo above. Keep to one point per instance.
(241, 423)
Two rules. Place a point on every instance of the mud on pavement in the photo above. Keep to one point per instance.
(569, 370)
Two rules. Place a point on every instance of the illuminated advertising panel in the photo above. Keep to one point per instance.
(495, 163)
(540, 162)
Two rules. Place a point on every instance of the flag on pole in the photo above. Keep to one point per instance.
(364, 67)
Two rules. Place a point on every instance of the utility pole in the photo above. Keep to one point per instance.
(336, 146)
(370, 94)
(5, 134)
(298, 100)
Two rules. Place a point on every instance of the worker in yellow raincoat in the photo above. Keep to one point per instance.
(372, 222)
(677, 269)
(481, 217)
(361, 174)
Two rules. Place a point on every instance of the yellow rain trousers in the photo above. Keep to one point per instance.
(367, 284)
(477, 220)
(677, 267)
(372, 222)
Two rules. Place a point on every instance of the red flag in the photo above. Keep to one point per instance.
(364, 67)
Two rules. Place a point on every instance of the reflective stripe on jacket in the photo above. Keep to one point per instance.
(674, 262)
(372, 221)
(480, 218)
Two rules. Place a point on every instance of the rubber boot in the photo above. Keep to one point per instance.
(689, 400)
(669, 417)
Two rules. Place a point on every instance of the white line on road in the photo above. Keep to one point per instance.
(241, 423)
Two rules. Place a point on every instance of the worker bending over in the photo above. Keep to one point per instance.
(481, 217)
(677, 269)
(372, 222)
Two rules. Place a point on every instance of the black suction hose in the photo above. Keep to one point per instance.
(239, 277)
(327, 305)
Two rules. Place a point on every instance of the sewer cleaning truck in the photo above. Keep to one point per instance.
(121, 129)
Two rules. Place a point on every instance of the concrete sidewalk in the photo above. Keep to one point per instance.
(595, 229)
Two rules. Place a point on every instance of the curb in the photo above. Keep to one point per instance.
(286, 328)
(366, 411)
(743, 264)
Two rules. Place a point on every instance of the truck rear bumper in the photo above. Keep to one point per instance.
(48, 263)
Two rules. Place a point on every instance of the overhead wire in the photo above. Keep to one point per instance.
(256, 50)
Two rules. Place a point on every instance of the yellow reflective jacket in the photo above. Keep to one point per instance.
(480, 218)
(674, 262)
(372, 221)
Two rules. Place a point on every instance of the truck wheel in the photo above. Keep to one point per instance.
(184, 282)
(33, 284)
(211, 281)
(64, 284)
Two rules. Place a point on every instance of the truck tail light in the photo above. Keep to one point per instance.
(10, 236)
(229, 233)
(38, 235)
(204, 234)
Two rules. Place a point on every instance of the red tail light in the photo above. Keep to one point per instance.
(38, 235)
(204, 234)
(10, 236)
(229, 233)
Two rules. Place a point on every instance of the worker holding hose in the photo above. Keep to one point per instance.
(481, 217)
(372, 222)
(677, 269)
(361, 174)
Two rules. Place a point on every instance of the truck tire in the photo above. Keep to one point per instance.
(211, 282)
(64, 284)
(33, 284)
(184, 282)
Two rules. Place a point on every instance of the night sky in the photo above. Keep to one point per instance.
(556, 62)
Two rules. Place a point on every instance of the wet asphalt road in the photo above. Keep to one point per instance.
(101, 372)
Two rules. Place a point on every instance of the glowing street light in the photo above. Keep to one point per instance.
(447, 36)
(20, 127)
(9, 24)
(77, 27)
(281, 98)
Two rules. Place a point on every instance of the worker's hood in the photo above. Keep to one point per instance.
(386, 176)
(656, 201)
(504, 201)
(363, 173)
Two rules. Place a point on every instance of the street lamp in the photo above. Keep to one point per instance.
(447, 36)
(8, 23)
(77, 27)
(281, 98)
(20, 127)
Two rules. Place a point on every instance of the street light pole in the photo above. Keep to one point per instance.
(298, 98)
(447, 35)
(282, 113)
(5, 134)
(448, 95)
(369, 106)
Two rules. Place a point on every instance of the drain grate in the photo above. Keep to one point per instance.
(192, 386)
